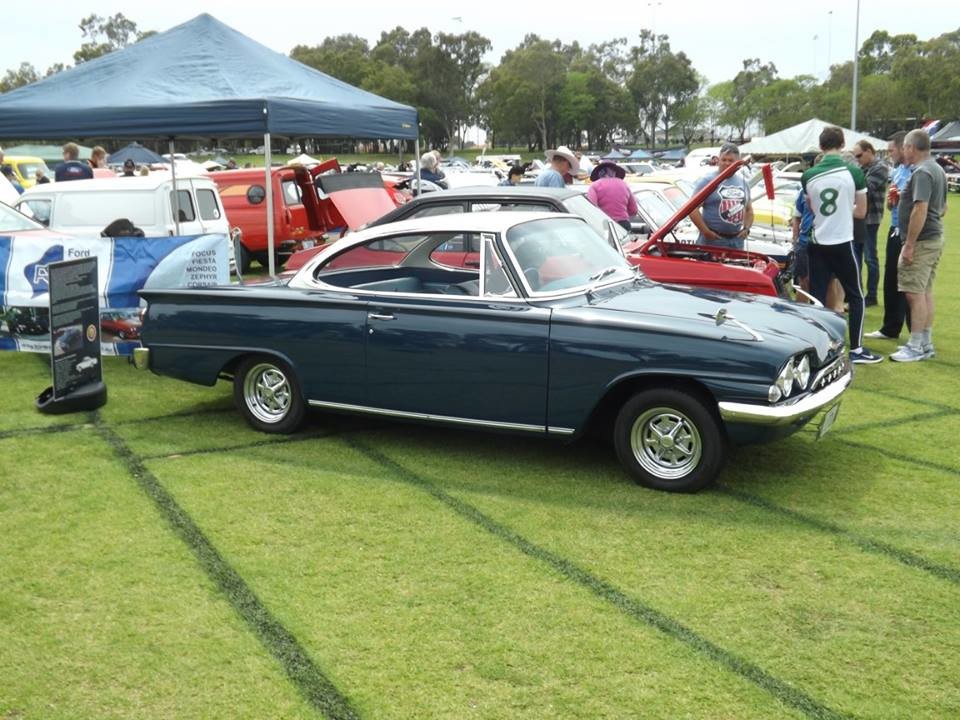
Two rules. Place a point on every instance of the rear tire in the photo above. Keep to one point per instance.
(241, 256)
(268, 395)
(669, 439)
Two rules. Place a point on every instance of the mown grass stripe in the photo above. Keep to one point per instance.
(867, 544)
(300, 668)
(630, 606)
(44, 430)
(891, 422)
(904, 398)
(283, 440)
(952, 470)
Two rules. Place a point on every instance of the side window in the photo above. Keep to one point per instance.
(187, 212)
(291, 192)
(383, 252)
(207, 202)
(431, 210)
(460, 250)
(39, 210)
(511, 207)
(494, 281)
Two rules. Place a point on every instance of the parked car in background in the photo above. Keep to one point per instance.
(553, 333)
(308, 203)
(25, 168)
(86, 207)
(707, 267)
(123, 325)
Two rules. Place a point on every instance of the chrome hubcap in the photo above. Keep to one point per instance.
(267, 393)
(666, 443)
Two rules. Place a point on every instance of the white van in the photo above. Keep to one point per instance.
(85, 207)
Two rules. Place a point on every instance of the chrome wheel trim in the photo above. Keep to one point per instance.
(666, 443)
(267, 392)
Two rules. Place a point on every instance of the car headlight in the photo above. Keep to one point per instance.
(795, 375)
(801, 372)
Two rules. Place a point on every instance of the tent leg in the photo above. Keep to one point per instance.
(268, 184)
(176, 195)
(416, 160)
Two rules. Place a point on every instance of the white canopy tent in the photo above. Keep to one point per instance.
(804, 138)
(303, 159)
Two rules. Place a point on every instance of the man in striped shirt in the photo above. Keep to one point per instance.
(836, 193)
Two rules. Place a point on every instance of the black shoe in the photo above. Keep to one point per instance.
(870, 302)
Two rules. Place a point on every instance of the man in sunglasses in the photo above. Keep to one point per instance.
(876, 174)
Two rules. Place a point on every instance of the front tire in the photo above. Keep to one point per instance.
(668, 439)
(268, 395)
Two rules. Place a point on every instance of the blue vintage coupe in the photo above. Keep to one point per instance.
(511, 321)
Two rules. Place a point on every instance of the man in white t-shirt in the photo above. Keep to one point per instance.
(836, 193)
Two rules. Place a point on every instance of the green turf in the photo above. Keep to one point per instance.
(160, 559)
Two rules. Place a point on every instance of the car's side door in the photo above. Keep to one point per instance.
(471, 359)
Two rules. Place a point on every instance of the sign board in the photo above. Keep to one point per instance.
(74, 325)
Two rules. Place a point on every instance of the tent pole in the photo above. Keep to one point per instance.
(176, 195)
(268, 185)
(416, 160)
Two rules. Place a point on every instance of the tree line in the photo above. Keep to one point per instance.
(543, 92)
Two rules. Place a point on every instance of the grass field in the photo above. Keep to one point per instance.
(160, 559)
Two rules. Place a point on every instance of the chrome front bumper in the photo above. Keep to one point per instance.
(803, 409)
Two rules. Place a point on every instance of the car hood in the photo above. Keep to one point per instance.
(694, 310)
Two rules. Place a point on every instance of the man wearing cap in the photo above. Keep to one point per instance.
(726, 216)
(611, 194)
(563, 163)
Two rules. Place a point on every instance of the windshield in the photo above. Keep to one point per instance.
(11, 220)
(563, 254)
(654, 206)
(595, 217)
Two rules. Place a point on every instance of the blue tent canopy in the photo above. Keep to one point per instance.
(675, 154)
(200, 79)
(614, 155)
(640, 154)
(136, 152)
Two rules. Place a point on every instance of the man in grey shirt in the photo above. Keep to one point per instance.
(921, 209)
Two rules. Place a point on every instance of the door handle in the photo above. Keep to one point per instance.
(379, 316)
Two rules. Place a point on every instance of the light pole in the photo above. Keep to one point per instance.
(856, 68)
(829, 38)
(653, 11)
(815, 38)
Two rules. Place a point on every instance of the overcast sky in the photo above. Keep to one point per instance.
(798, 37)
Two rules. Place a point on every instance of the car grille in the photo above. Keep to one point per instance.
(829, 373)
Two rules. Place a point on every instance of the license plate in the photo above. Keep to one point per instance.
(828, 420)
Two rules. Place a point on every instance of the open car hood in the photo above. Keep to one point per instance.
(352, 200)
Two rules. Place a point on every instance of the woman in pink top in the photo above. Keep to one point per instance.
(610, 193)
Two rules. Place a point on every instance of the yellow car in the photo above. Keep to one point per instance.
(25, 169)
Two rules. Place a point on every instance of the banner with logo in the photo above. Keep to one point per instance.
(126, 265)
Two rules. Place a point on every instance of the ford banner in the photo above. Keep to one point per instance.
(126, 264)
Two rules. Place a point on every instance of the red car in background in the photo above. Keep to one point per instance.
(662, 261)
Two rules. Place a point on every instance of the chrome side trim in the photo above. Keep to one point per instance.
(803, 409)
(520, 427)
(561, 431)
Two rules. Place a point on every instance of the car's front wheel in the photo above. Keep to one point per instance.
(669, 439)
(268, 395)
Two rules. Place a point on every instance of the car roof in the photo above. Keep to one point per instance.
(492, 222)
(521, 191)
(137, 182)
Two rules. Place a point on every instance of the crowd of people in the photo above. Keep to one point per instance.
(837, 220)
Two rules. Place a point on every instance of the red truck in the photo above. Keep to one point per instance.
(244, 200)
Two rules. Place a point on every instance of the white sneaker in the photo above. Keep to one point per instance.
(909, 353)
(928, 350)
(878, 335)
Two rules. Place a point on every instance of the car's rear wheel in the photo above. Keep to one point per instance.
(669, 439)
(241, 256)
(268, 395)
